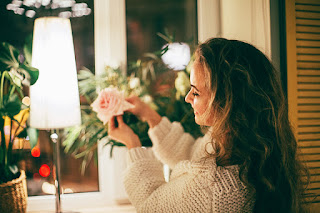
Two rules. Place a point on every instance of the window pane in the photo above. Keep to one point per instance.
(145, 18)
(15, 29)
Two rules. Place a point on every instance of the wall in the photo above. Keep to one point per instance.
(247, 20)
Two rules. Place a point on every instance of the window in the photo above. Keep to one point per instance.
(110, 47)
(146, 18)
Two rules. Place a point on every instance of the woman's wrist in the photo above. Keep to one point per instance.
(152, 118)
(135, 142)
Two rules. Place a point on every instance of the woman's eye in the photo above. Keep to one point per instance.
(195, 94)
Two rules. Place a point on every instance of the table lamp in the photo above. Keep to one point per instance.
(54, 98)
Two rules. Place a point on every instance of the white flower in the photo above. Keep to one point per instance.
(182, 84)
(147, 99)
(134, 83)
(177, 56)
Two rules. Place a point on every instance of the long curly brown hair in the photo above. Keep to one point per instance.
(251, 126)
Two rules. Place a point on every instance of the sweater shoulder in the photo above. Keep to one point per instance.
(229, 193)
(226, 180)
(219, 179)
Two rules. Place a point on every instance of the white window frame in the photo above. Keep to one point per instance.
(111, 49)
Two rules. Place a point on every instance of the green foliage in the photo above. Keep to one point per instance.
(148, 78)
(13, 113)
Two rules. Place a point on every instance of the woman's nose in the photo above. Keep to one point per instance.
(188, 98)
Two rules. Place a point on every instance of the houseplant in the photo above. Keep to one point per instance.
(15, 72)
(148, 78)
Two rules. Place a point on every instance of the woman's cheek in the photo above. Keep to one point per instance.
(199, 107)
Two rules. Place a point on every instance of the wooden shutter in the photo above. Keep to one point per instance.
(303, 75)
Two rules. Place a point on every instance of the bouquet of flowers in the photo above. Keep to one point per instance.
(150, 78)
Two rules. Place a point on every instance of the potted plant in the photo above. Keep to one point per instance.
(16, 71)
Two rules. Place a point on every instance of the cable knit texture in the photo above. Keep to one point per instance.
(196, 183)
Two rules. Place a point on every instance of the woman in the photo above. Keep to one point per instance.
(247, 159)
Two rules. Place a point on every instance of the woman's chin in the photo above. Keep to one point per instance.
(198, 120)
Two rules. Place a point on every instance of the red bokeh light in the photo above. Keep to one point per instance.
(36, 177)
(44, 170)
(35, 152)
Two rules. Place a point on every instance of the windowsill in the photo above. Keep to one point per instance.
(107, 209)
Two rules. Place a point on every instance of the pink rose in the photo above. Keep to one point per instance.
(110, 102)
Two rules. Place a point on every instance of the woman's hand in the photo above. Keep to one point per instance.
(122, 133)
(144, 111)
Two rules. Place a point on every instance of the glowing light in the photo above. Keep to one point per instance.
(87, 11)
(30, 13)
(37, 4)
(53, 52)
(19, 11)
(54, 6)
(177, 56)
(12, 7)
(17, 2)
(28, 3)
(65, 14)
(65, 4)
(26, 101)
(45, 2)
(48, 188)
(68, 190)
(35, 152)
(44, 170)
(36, 177)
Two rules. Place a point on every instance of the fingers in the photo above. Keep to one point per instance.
(131, 98)
(120, 120)
(112, 123)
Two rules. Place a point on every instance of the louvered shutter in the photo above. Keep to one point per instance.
(303, 75)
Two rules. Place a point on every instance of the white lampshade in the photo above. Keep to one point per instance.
(55, 96)
(177, 56)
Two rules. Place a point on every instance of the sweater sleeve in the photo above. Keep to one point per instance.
(148, 191)
(170, 143)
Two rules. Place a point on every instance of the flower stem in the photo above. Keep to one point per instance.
(1, 91)
(4, 148)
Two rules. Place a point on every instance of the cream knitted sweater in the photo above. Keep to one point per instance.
(196, 185)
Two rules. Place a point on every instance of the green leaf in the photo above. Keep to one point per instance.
(164, 37)
(14, 78)
(30, 71)
(33, 136)
(23, 133)
(13, 105)
(27, 49)
(9, 56)
(1, 154)
(85, 74)
(72, 135)
(96, 157)
(14, 169)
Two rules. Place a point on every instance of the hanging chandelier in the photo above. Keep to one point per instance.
(40, 8)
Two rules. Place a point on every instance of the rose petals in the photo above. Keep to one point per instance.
(110, 102)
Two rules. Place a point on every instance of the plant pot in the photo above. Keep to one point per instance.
(14, 195)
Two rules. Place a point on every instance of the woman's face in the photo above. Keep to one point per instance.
(199, 96)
